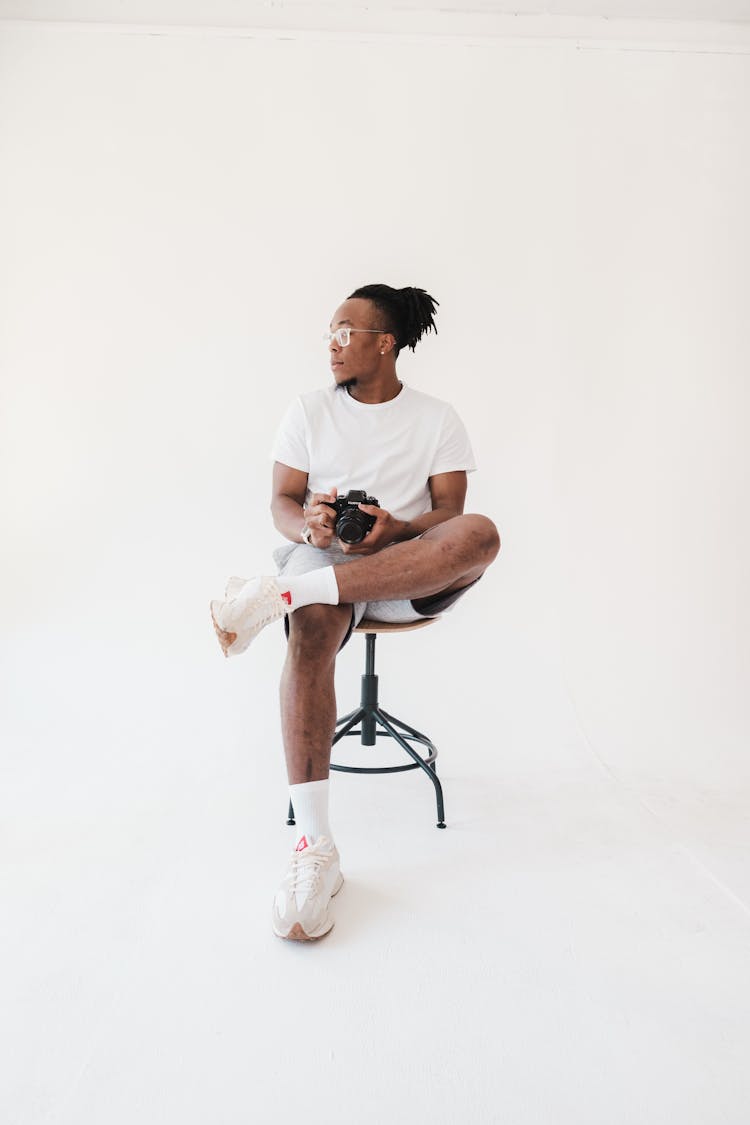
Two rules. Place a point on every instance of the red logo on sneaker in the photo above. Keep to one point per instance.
(287, 596)
(302, 844)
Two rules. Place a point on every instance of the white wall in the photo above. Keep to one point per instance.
(179, 216)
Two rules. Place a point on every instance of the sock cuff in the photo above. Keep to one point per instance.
(310, 800)
(310, 786)
(314, 586)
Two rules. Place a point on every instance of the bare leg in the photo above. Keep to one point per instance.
(308, 700)
(447, 557)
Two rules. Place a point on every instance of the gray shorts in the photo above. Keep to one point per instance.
(299, 558)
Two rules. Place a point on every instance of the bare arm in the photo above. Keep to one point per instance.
(289, 488)
(288, 491)
(448, 493)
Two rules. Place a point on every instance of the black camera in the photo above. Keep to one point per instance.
(352, 524)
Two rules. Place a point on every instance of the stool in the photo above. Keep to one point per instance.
(370, 716)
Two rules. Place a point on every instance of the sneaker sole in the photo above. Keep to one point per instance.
(296, 933)
(234, 643)
(238, 642)
(222, 634)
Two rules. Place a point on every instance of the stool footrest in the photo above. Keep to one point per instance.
(370, 716)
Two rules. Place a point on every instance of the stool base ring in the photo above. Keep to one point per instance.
(402, 733)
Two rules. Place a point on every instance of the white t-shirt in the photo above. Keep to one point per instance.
(387, 449)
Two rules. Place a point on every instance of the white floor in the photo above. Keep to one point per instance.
(573, 949)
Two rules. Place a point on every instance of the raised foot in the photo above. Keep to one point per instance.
(226, 640)
(238, 620)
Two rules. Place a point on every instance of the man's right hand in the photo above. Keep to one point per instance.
(320, 518)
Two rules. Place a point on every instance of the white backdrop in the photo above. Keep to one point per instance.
(181, 214)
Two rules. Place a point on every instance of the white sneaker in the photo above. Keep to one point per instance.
(234, 585)
(301, 907)
(252, 604)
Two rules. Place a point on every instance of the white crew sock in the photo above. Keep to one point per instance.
(310, 801)
(307, 589)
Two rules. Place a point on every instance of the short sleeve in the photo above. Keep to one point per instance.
(290, 445)
(453, 451)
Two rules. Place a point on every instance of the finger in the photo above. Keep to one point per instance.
(363, 545)
(370, 509)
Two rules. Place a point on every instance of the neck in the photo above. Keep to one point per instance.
(381, 389)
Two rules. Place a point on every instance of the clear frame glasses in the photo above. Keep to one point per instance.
(341, 335)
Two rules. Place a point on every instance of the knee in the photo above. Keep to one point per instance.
(318, 630)
(485, 537)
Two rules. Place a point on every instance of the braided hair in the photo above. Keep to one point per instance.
(406, 313)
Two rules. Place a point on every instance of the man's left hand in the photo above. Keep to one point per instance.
(385, 530)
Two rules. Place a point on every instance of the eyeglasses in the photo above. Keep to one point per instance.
(342, 335)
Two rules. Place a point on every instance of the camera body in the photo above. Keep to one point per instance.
(352, 524)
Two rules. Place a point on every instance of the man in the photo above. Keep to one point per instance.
(410, 452)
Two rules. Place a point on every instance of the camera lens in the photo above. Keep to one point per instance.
(351, 526)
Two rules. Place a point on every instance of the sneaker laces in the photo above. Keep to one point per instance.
(267, 604)
(305, 871)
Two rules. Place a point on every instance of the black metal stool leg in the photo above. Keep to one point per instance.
(387, 721)
(346, 724)
(419, 737)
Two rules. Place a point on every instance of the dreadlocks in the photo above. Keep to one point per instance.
(406, 313)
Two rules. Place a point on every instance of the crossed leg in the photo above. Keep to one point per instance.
(446, 558)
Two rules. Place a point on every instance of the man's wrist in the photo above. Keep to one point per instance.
(403, 531)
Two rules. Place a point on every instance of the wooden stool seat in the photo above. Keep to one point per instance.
(367, 625)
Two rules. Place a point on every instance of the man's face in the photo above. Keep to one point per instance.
(361, 357)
